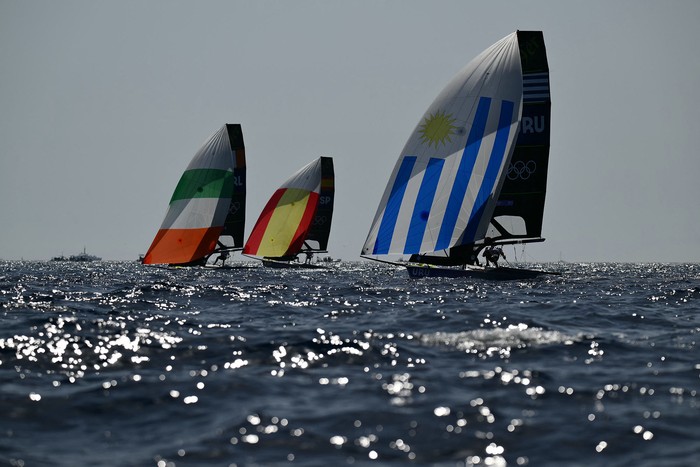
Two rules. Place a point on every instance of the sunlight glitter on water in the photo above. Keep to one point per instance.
(376, 369)
(497, 341)
(74, 348)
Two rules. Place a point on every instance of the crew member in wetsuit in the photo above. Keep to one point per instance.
(222, 256)
(492, 254)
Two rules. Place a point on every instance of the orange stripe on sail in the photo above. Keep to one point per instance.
(181, 246)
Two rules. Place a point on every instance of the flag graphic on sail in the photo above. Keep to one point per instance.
(446, 181)
(208, 202)
(287, 217)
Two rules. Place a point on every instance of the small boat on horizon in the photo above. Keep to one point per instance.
(329, 260)
(80, 257)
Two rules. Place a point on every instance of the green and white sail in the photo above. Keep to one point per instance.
(208, 203)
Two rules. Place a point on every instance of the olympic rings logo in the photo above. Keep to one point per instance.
(319, 220)
(521, 170)
(234, 207)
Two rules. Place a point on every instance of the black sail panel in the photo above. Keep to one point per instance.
(320, 230)
(520, 207)
(235, 220)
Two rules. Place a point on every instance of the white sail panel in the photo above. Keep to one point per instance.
(306, 178)
(195, 213)
(215, 153)
(447, 176)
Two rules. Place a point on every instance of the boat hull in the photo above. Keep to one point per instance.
(230, 266)
(501, 273)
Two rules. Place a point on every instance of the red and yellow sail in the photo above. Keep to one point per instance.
(208, 202)
(287, 217)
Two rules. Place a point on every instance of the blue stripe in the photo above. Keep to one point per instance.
(466, 165)
(393, 205)
(498, 152)
(421, 211)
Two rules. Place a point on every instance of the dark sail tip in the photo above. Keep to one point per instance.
(235, 135)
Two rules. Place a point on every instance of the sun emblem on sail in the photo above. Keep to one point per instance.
(437, 128)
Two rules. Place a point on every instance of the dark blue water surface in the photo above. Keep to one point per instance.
(121, 364)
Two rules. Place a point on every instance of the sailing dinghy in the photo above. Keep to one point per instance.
(474, 171)
(296, 219)
(206, 214)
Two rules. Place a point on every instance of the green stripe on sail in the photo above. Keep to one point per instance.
(204, 183)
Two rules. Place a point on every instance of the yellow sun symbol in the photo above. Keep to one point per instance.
(437, 128)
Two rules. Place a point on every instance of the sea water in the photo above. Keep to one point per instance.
(120, 364)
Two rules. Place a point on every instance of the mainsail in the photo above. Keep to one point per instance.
(208, 204)
(520, 207)
(320, 230)
(298, 212)
(447, 183)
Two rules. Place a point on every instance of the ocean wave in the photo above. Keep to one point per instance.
(498, 341)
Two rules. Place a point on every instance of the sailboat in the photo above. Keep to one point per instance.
(296, 219)
(474, 171)
(206, 215)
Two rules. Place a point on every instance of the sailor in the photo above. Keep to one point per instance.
(474, 259)
(309, 254)
(222, 256)
(492, 253)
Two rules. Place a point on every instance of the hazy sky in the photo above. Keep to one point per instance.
(104, 103)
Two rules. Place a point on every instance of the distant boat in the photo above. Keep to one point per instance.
(84, 256)
(329, 260)
(296, 219)
(206, 215)
(474, 171)
(80, 257)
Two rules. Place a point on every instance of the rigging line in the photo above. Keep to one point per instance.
(251, 257)
(532, 258)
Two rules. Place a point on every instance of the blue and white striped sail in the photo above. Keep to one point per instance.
(446, 182)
